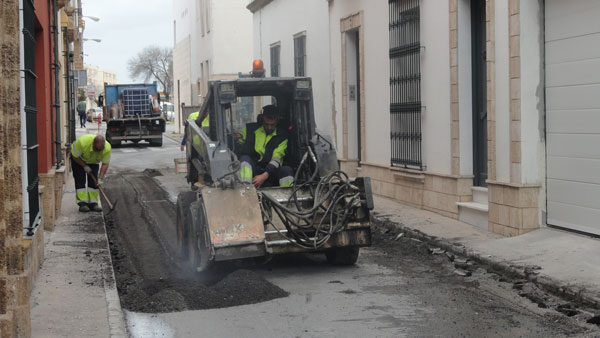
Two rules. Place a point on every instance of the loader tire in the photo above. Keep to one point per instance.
(343, 256)
(184, 200)
(198, 250)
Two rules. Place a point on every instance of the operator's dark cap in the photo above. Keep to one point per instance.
(270, 111)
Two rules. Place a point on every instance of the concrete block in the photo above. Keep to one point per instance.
(515, 89)
(494, 213)
(454, 132)
(453, 72)
(515, 217)
(7, 329)
(514, 6)
(496, 193)
(515, 67)
(4, 295)
(514, 25)
(515, 131)
(17, 288)
(454, 111)
(511, 232)
(510, 196)
(515, 110)
(22, 320)
(531, 218)
(515, 46)
(463, 186)
(504, 215)
(455, 165)
(529, 197)
(453, 19)
(515, 173)
(496, 228)
(15, 259)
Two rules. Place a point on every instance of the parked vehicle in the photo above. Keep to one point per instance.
(133, 114)
(94, 114)
(168, 111)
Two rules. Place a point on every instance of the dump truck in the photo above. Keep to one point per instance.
(132, 113)
(221, 219)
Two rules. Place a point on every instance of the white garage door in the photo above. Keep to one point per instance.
(573, 113)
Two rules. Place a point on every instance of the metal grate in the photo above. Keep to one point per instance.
(405, 83)
(275, 52)
(300, 55)
(136, 101)
(31, 110)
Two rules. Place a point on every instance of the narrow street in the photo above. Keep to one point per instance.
(397, 288)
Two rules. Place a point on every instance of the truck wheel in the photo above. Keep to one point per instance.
(184, 200)
(156, 142)
(114, 144)
(342, 256)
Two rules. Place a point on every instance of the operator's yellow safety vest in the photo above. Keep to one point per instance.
(84, 148)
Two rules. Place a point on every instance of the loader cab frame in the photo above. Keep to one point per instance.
(292, 96)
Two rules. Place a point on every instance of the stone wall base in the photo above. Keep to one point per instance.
(52, 186)
(513, 209)
(430, 191)
(48, 199)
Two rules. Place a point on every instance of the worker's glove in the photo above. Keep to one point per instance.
(100, 181)
(88, 170)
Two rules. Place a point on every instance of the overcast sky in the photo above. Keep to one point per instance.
(125, 27)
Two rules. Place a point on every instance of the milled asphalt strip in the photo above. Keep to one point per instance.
(116, 321)
(548, 284)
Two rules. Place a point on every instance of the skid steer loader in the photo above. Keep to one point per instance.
(222, 219)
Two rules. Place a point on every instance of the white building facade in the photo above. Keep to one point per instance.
(296, 45)
(479, 110)
(212, 40)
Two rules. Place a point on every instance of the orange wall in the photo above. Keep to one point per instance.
(44, 57)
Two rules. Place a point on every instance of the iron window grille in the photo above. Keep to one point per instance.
(405, 83)
(300, 55)
(275, 52)
(29, 45)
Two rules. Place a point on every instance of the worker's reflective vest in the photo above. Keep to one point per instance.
(267, 150)
(205, 123)
(84, 148)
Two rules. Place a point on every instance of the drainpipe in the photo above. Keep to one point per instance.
(57, 87)
(24, 178)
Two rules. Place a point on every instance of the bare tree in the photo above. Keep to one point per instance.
(153, 62)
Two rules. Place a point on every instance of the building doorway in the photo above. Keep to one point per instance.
(479, 78)
(353, 104)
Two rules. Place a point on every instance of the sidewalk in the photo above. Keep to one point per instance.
(558, 261)
(75, 293)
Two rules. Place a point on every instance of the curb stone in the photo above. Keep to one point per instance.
(548, 284)
(116, 320)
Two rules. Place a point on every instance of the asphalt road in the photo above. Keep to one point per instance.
(397, 288)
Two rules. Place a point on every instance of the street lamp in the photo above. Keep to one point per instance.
(97, 40)
(91, 17)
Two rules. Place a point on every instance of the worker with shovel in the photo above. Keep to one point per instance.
(86, 154)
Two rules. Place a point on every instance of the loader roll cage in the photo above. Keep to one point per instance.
(292, 96)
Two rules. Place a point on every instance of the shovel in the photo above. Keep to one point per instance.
(111, 206)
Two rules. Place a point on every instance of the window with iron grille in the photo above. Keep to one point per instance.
(405, 83)
(275, 51)
(300, 55)
(29, 47)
